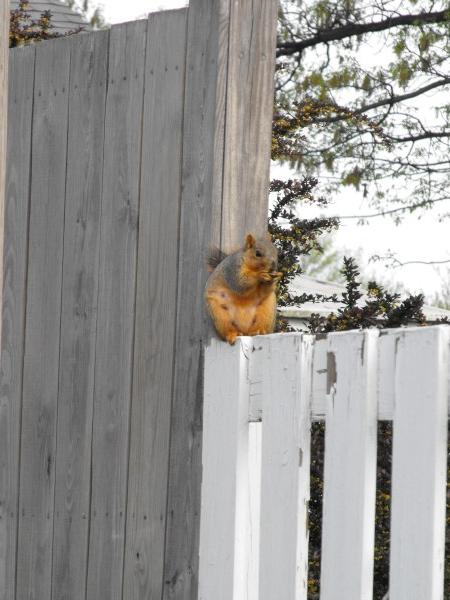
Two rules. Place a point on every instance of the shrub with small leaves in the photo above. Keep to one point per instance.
(380, 309)
(23, 29)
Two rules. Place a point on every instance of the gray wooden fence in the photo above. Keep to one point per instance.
(130, 151)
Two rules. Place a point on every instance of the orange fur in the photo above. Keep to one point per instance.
(251, 310)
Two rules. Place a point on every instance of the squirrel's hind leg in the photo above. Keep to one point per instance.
(222, 319)
(264, 320)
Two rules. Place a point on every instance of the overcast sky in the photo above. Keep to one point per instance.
(416, 239)
(118, 11)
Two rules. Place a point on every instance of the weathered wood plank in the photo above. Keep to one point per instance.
(42, 335)
(8, 415)
(249, 109)
(4, 61)
(157, 273)
(21, 71)
(200, 207)
(201, 211)
(225, 532)
(286, 426)
(419, 465)
(79, 312)
(350, 468)
(115, 309)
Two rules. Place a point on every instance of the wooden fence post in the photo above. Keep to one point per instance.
(225, 169)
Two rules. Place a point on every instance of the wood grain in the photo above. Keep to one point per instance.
(14, 301)
(4, 62)
(157, 273)
(42, 335)
(248, 130)
(79, 312)
(115, 312)
(202, 218)
(199, 178)
(114, 324)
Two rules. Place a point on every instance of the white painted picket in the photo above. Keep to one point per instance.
(260, 398)
(350, 469)
(419, 466)
(285, 476)
(225, 530)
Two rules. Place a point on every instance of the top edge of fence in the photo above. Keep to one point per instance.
(377, 350)
(254, 340)
(69, 37)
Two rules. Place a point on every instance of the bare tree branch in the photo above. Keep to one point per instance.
(391, 100)
(383, 213)
(428, 135)
(353, 29)
(396, 263)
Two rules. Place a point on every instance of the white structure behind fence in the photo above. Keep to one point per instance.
(260, 399)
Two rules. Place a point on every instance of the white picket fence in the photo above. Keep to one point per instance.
(260, 397)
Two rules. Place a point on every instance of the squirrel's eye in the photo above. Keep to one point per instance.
(258, 253)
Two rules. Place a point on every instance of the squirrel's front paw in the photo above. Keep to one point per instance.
(265, 277)
(231, 337)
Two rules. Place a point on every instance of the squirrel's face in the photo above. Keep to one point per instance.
(260, 254)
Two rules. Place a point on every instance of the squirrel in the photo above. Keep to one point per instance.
(240, 293)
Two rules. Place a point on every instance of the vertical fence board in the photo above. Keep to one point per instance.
(249, 108)
(419, 466)
(225, 533)
(4, 63)
(14, 299)
(40, 377)
(155, 305)
(201, 182)
(208, 58)
(115, 319)
(286, 423)
(8, 417)
(350, 468)
(79, 312)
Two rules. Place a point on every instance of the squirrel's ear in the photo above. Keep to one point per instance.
(249, 241)
(268, 236)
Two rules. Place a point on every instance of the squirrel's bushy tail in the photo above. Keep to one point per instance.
(216, 256)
